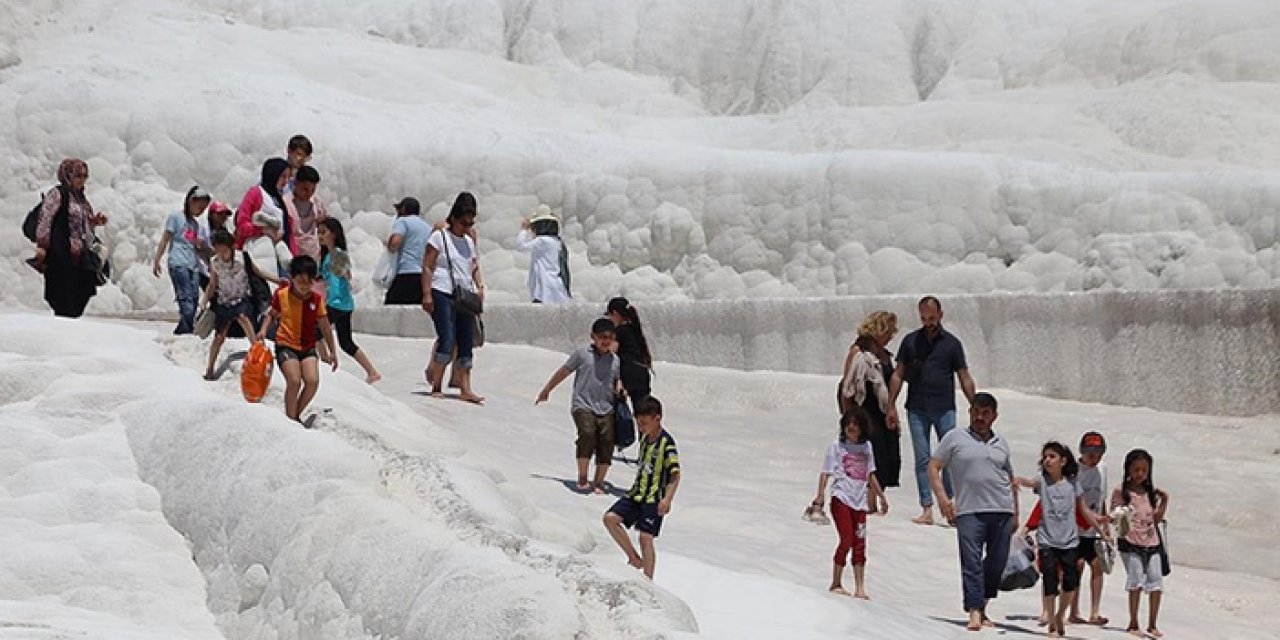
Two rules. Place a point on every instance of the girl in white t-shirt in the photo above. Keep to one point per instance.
(850, 463)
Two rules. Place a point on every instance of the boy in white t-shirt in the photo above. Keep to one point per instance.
(849, 461)
(1092, 481)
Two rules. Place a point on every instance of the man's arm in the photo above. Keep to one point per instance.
(966, 384)
(945, 505)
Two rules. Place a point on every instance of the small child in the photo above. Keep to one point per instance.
(1140, 548)
(851, 462)
(1057, 536)
(1092, 481)
(335, 268)
(228, 291)
(649, 500)
(299, 310)
(596, 385)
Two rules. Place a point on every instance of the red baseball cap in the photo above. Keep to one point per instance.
(1093, 442)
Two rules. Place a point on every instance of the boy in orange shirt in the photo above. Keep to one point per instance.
(299, 311)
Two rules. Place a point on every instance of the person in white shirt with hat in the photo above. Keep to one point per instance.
(549, 258)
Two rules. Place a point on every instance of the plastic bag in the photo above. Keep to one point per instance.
(1020, 569)
(255, 377)
(1106, 554)
(385, 273)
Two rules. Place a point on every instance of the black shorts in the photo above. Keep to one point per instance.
(1087, 550)
(644, 517)
(284, 354)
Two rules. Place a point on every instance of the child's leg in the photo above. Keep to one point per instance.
(859, 554)
(1153, 612)
(842, 516)
(605, 436)
(1096, 578)
(371, 374)
(1070, 585)
(310, 383)
(1135, 596)
(648, 554)
(214, 348)
(292, 370)
(247, 326)
(613, 524)
(585, 445)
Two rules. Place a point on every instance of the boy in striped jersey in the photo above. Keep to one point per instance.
(649, 499)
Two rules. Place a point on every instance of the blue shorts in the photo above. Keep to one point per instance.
(644, 517)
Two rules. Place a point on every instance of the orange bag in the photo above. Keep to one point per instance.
(255, 377)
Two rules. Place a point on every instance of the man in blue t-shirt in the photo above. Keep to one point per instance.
(929, 360)
(408, 240)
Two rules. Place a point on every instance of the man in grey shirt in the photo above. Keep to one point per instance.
(596, 384)
(985, 505)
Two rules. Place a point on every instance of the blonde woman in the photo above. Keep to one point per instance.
(867, 371)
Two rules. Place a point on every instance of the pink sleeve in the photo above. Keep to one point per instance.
(49, 207)
(245, 229)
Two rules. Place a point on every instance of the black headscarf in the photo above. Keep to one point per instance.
(271, 171)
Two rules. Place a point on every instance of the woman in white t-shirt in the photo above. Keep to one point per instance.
(851, 465)
(448, 264)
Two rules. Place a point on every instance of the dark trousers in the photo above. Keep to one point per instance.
(984, 549)
(405, 289)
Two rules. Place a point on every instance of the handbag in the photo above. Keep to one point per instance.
(1165, 568)
(92, 260)
(465, 300)
(205, 321)
(478, 340)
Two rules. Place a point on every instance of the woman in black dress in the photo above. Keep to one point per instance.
(867, 371)
(64, 238)
(633, 349)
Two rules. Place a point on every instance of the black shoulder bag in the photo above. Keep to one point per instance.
(465, 299)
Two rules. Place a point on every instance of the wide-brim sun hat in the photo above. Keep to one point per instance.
(542, 212)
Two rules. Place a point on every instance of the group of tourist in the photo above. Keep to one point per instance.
(970, 477)
(224, 264)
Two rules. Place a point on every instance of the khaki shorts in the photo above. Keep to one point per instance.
(595, 436)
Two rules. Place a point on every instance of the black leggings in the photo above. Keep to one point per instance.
(341, 321)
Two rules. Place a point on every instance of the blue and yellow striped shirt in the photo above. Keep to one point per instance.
(658, 461)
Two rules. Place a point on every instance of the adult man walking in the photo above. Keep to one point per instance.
(929, 360)
(409, 234)
(985, 506)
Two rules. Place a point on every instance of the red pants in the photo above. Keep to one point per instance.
(852, 527)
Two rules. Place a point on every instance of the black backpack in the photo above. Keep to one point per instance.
(32, 221)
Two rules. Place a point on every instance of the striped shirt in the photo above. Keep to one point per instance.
(658, 462)
(298, 318)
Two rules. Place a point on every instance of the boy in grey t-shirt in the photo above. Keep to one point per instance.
(596, 385)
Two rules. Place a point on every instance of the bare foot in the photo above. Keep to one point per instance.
(1043, 621)
(1154, 632)
(986, 622)
(454, 384)
(861, 595)
(839, 590)
(636, 562)
(471, 397)
(373, 378)
(1099, 620)
(583, 485)
(208, 375)
(598, 490)
(1135, 631)
(924, 518)
(975, 621)
(436, 393)
(1077, 620)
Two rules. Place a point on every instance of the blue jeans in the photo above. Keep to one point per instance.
(186, 291)
(979, 574)
(453, 328)
(919, 423)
